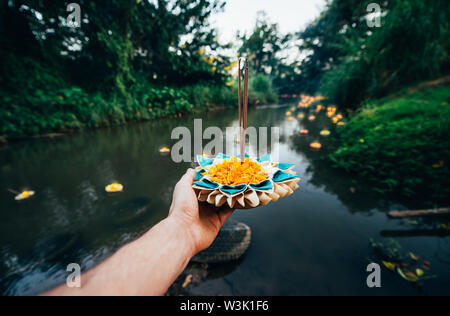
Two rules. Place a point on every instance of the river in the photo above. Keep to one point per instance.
(315, 242)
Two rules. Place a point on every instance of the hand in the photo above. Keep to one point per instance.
(201, 221)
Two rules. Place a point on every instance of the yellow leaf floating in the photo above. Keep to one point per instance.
(114, 188)
(420, 272)
(24, 195)
(439, 165)
(408, 275)
(413, 256)
(389, 265)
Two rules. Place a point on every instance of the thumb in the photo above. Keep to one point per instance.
(188, 177)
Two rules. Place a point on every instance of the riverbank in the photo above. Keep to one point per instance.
(33, 113)
(401, 143)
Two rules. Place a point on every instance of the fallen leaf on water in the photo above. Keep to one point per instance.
(389, 265)
(413, 256)
(408, 275)
(419, 272)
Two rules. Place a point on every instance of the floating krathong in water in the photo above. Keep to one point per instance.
(316, 145)
(24, 195)
(304, 132)
(325, 133)
(114, 188)
(164, 150)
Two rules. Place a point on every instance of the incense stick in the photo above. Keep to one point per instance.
(240, 95)
(13, 191)
(244, 114)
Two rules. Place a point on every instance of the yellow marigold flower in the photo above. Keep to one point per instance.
(232, 172)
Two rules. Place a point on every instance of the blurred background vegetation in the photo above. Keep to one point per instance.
(130, 61)
(136, 60)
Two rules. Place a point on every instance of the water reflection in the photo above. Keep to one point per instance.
(301, 240)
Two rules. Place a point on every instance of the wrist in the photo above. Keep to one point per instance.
(183, 232)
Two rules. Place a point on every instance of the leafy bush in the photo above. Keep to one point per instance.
(401, 144)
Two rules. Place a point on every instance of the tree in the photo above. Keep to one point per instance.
(264, 45)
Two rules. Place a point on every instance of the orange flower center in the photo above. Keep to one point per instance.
(233, 172)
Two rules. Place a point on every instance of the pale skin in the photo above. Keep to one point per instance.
(149, 265)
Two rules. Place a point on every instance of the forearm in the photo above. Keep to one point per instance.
(147, 266)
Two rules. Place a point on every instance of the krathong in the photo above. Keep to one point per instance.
(243, 182)
(24, 195)
(304, 132)
(114, 188)
(256, 181)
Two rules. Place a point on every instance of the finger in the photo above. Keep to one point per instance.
(188, 177)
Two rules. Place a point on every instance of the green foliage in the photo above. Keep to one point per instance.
(263, 47)
(261, 90)
(129, 61)
(401, 144)
(212, 96)
(72, 108)
(350, 62)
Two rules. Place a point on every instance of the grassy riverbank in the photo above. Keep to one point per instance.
(401, 143)
(60, 109)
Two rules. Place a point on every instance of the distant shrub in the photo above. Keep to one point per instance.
(401, 144)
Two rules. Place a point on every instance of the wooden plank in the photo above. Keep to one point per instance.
(419, 213)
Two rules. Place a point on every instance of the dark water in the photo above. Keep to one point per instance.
(314, 242)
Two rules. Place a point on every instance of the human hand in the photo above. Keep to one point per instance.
(201, 221)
